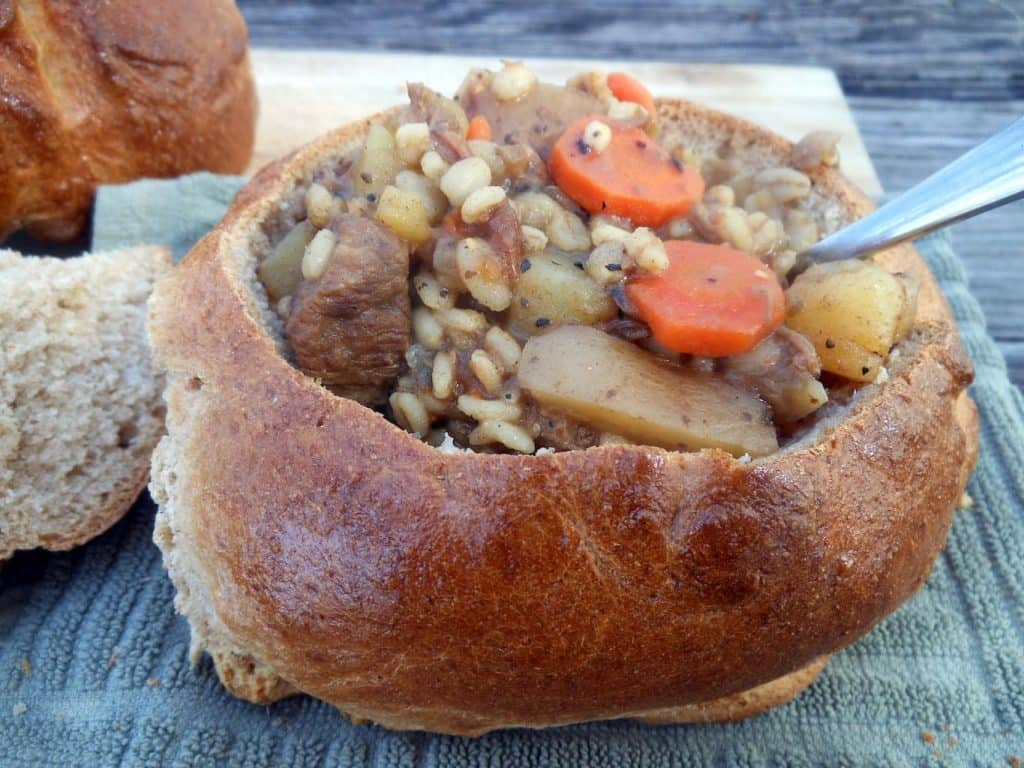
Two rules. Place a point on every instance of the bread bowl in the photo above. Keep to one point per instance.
(319, 548)
(103, 93)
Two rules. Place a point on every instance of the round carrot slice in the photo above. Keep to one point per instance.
(627, 88)
(712, 300)
(632, 176)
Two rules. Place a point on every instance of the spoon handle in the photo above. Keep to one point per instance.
(988, 176)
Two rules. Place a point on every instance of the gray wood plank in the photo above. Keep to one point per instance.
(926, 79)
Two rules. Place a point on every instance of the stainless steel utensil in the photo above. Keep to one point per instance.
(990, 175)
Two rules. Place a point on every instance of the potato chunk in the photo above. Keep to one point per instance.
(403, 213)
(853, 312)
(379, 164)
(281, 271)
(614, 386)
(553, 291)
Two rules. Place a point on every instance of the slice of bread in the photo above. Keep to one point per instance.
(80, 408)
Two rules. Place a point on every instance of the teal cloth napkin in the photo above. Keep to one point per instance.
(94, 668)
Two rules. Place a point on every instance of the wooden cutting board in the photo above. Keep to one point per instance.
(304, 94)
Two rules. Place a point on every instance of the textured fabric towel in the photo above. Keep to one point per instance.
(94, 668)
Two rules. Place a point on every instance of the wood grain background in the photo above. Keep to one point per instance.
(926, 79)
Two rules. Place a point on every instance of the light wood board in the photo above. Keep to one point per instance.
(304, 94)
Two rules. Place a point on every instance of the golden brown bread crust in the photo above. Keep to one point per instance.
(316, 547)
(95, 93)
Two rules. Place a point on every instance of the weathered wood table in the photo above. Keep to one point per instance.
(926, 79)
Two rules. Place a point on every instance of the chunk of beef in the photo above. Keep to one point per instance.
(523, 166)
(501, 231)
(553, 429)
(539, 117)
(627, 328)
(784, 370)
(350, 328)
(445, 118)
(505, 236)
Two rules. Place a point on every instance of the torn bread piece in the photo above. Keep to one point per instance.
(80, 406)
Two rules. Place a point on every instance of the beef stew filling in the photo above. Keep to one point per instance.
(525, 267)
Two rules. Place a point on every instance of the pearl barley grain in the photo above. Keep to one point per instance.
(514, 81)
(464, 178)
(318, 253)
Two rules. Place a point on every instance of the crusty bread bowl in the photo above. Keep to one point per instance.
(101, 93)
(318, 548)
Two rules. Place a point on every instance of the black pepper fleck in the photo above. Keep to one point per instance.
(444, 293)
(830, 344)
(542, 321)
(371, 197)
(864, 370)
(578, 264)
(524, 302)
(582, 147)
(604, 204)
(678, 164)
(641, 144)
(712, 280)
(365, 176)
(613, 267)
(508, 395)
(525, 266)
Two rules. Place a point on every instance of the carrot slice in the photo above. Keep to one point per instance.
(712, 300)
(479, 128)
(631, 177)
(627, 88)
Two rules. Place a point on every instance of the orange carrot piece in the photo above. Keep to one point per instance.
(712, 300)
(627, 88)
(631, 177)
(479, 128)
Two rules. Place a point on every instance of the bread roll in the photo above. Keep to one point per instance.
(80, 407)
(100, 93)
(318, 548)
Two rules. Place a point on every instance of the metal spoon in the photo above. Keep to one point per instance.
(990, 175)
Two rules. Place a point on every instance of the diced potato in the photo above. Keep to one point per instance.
(379, 163)
(433, 199)
(554, 291)
(404, 214)
(614, 386)
(853, 312)
(281, 271)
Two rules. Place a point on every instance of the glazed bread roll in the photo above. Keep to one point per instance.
(100, 93)
(318, 548)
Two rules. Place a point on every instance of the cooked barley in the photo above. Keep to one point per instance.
(464, 178)
(426, 328)
(317, 254)
(486, 372)
(410, 413)
(442, 376)
(511, 436)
